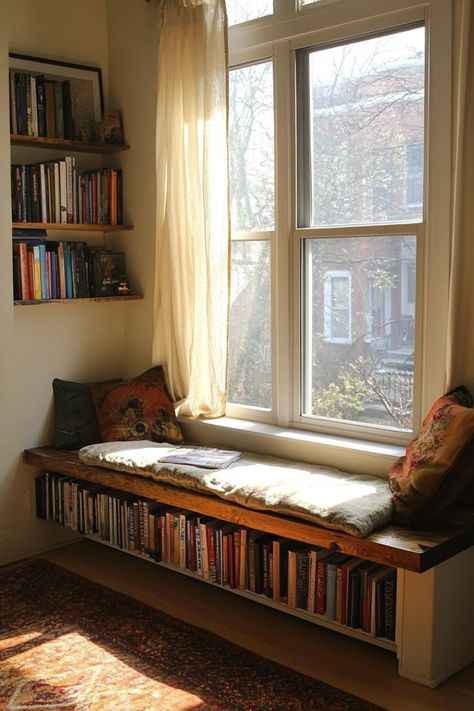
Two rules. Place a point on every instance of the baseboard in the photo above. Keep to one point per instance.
(32, 538)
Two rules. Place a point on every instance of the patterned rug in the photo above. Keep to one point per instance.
(68, 643)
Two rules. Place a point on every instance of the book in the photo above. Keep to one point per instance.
(207, 457)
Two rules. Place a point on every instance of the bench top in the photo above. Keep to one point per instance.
(397, 546)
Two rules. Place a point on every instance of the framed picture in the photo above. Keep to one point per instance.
(71, 93)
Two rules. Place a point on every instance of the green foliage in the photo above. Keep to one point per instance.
(342, 400)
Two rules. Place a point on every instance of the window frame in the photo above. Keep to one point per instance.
(278, 37)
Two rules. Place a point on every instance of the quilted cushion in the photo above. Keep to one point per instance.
(135, 409)
(438, 464)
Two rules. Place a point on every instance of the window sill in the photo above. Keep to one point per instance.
(345, 453)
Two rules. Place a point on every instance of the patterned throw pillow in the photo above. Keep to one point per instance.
(139, 408)
(438, 464)
(75, 419)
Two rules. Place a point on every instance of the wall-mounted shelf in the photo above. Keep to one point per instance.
(36, 302)
(63, 144)
(73, 227)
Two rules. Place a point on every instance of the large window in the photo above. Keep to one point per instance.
(339, 215)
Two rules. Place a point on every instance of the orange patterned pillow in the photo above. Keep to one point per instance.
(135, 409)
(438, 464)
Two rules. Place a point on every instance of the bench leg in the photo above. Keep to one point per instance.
(435, 629)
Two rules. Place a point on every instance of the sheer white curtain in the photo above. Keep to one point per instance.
(460, 356)
(192, 239)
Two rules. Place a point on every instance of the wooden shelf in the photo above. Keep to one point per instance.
(70, 227)
(64, 144)
(86, 299)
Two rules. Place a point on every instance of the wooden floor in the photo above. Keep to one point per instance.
(366, 671)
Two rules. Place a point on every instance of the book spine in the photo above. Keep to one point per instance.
(40, 105)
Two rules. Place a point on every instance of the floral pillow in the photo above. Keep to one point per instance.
(135, 409)
(438, 464)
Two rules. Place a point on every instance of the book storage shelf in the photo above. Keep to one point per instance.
(70, 146)
(340, 592)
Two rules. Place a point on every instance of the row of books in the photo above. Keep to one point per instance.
(351, 591)
(44, 269)
(56, 192)
(40, 106)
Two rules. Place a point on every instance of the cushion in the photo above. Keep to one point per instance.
(354, 503)
(438, 464)
(135, 409)
(75, 419)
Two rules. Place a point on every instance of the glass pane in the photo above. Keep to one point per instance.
(367, 126)
(251, 148)
(359, 306)
(243, 10)
(250, 334)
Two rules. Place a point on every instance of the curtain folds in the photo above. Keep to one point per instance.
(460, 353)
(192, 239)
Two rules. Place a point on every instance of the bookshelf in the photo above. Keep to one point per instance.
(194, 545)
(94, 199)
(71, 227)
(66, 144)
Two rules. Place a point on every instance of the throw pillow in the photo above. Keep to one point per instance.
(437, 466)
(135, 409)
(75, 419)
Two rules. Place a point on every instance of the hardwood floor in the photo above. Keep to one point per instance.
(366, 671)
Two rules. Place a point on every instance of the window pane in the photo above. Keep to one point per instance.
(243, 10)
(366, 124)
(251, 148)
(250, 333)
(359, 306)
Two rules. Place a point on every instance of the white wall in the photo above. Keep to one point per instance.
(75, 341)
(131, 28)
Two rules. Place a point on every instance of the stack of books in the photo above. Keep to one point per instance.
(40, 106)
(44, 269)
(55, 192)
(347, 590)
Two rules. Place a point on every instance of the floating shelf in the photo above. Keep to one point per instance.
(82, 300)
(66, 144)
(73, 227)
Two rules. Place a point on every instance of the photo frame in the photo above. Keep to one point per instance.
(84, 83)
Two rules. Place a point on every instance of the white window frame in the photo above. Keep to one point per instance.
(278, 37)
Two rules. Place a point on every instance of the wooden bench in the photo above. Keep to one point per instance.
(410, 551)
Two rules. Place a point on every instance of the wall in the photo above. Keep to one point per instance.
(38, 343)
(131, 28)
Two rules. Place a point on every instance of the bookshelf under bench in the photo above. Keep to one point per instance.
(430, 631)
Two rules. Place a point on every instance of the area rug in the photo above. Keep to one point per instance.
(68, 643)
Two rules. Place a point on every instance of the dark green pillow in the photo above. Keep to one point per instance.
(75, 419)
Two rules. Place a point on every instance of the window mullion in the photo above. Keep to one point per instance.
(281, 254)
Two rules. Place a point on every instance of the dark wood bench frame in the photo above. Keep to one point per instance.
(403, 548)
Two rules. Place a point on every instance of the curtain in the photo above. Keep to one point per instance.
(192, 227)
(460, 354)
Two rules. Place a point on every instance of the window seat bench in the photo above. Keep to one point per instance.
(432, 641)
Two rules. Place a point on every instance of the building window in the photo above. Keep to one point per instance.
(337, 313)
(414, 175)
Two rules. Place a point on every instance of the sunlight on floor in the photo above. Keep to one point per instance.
(42, 670)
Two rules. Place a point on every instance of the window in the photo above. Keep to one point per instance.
(337, 311)
(252, 221)
(244, 10)
(339, 215)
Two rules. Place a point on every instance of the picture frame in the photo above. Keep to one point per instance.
(86, 90)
